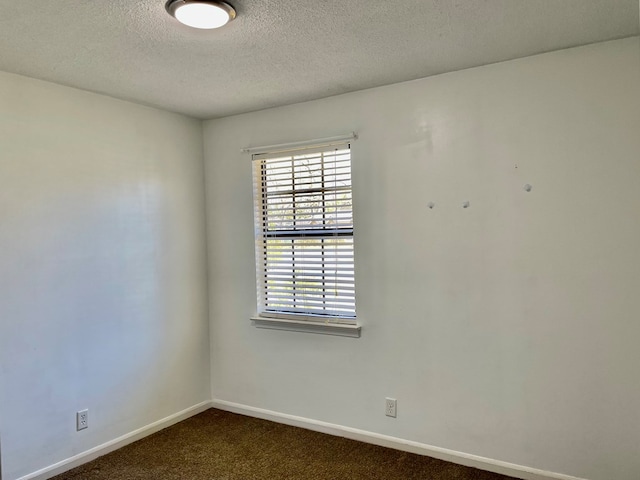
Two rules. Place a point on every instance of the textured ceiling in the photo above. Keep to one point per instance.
(285, 51)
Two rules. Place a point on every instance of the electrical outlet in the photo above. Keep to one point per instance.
(82, 420)
(390, 405)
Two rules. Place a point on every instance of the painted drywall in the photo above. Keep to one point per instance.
(102, 270)
(507, 329)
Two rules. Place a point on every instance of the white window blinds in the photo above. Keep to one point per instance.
(304, 233)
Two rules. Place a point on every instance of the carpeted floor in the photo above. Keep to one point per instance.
(217, 445)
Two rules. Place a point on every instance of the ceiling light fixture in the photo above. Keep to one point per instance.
(201, 13)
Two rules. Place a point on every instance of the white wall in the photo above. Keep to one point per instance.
(102, 270)
(507, 330)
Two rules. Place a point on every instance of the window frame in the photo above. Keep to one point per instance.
(334, 322)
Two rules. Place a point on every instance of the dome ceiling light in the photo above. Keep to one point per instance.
(201, 13)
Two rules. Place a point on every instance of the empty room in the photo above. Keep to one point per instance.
(362, 239)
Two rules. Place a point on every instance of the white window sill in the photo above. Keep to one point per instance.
(340, 329)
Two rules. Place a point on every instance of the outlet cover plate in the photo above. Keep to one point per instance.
(390, 407)
(82, 420)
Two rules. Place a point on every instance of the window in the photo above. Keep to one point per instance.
(304, 235)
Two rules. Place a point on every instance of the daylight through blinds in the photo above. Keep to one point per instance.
(304, 233)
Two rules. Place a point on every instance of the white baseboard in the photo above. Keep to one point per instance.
(482, 463)
(100, 450)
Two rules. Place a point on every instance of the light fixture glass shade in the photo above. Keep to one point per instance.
(201, 14)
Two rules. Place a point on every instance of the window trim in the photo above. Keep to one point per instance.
(301, 322)
(307, 326)
(284, 147)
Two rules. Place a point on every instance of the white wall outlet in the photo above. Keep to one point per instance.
(390, 405)
(82, 420)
